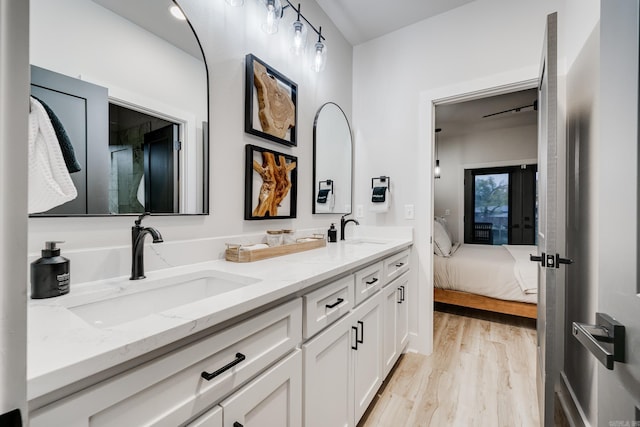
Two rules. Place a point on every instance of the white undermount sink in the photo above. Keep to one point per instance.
(140, 298)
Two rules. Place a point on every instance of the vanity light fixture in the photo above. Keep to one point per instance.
(298, 30)
(320, 54)
(436, 170)
(272, 17)
(298, 34)
(177, 13)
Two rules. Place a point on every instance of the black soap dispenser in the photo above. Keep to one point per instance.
(50, 274)
(333, 234)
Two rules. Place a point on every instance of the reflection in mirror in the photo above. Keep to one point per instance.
(128, 82)
(332, 160)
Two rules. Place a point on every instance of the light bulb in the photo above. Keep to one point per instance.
(177, 13)
(320, 57)
(436, 170)
(298, 33)
(274, 12)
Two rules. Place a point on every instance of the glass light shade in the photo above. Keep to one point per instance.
(272, 16)
(298, 34)
(319, 57)
(236, 3)
(436, 170)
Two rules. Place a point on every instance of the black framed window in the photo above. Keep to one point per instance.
(500, 205)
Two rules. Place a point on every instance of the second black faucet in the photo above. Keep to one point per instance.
(343, 224)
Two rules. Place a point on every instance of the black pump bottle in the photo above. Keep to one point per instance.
(50, 274)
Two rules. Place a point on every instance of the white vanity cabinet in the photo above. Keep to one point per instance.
(343, 367)
(396, 321)
(272, 399)
(171, 389)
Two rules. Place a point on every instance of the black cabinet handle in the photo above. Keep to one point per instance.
(361, 340)
(356, 346)
(374, 280)
(400, 264)
(209, 376)
(335, 304)
(402, 292)
(237, 424)
(399, 296)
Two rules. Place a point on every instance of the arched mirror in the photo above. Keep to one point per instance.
(332, 161)
(128, 82)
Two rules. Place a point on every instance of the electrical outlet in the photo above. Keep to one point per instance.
(408, 212)
(359, 211)
(447, 212)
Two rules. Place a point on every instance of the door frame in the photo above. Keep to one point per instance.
(498, 84)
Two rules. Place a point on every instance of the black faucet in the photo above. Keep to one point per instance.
(138, 233)
(343, 224)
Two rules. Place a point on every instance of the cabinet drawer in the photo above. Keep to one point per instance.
(396, 264)
(368, 281)
(171, 389)
(327, 304)
(212, 418)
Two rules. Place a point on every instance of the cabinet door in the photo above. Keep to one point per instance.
(272, 399)
(328, 376)
(391, 302)
(367, 356)
(402, 331)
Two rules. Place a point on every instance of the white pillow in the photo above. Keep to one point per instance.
(441, 240)
(444, 224)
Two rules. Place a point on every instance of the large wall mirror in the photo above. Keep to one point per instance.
(332, 161)
(128, 82)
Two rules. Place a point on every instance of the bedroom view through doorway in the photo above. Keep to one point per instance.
(485, 228)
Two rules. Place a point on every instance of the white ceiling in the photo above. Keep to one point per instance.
(467, 117)
(363, 20)
(154, 16)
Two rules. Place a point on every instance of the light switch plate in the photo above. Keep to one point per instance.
(408, 212)
(359, 211)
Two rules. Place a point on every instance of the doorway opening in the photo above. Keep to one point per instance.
(144, 161)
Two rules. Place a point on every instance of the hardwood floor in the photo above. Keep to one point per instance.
(481, 373)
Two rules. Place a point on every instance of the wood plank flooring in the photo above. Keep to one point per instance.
(481, 373)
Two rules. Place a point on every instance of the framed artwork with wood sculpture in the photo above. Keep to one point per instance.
(270, 184)
(270, 110)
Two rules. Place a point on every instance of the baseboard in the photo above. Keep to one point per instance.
(569, 404)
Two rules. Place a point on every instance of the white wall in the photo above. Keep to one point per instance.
(14, 87)
(498, 147)
(485, 41)
(227, 35)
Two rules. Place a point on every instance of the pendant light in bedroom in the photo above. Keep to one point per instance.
(436, 169)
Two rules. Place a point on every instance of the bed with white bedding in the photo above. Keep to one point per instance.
(495, 278)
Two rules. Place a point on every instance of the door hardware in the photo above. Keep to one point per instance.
(209, 376)
(605, 340)
(542, 259)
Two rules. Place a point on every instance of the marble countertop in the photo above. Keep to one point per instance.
(63, 348)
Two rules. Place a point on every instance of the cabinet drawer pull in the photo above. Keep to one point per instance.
(400, 264)
(335, 304)
(237, 424)
(356, 346)
(361, 340)
(209, 376)
(399, 295)
(372, 281)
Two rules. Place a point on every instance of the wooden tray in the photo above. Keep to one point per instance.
(235, 254)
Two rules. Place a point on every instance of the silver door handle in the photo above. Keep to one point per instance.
(605, 340)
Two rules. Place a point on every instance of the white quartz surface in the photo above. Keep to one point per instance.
(63, 348)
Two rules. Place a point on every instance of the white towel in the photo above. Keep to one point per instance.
(50, 184)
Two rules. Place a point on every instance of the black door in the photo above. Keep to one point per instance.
(161, 148)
